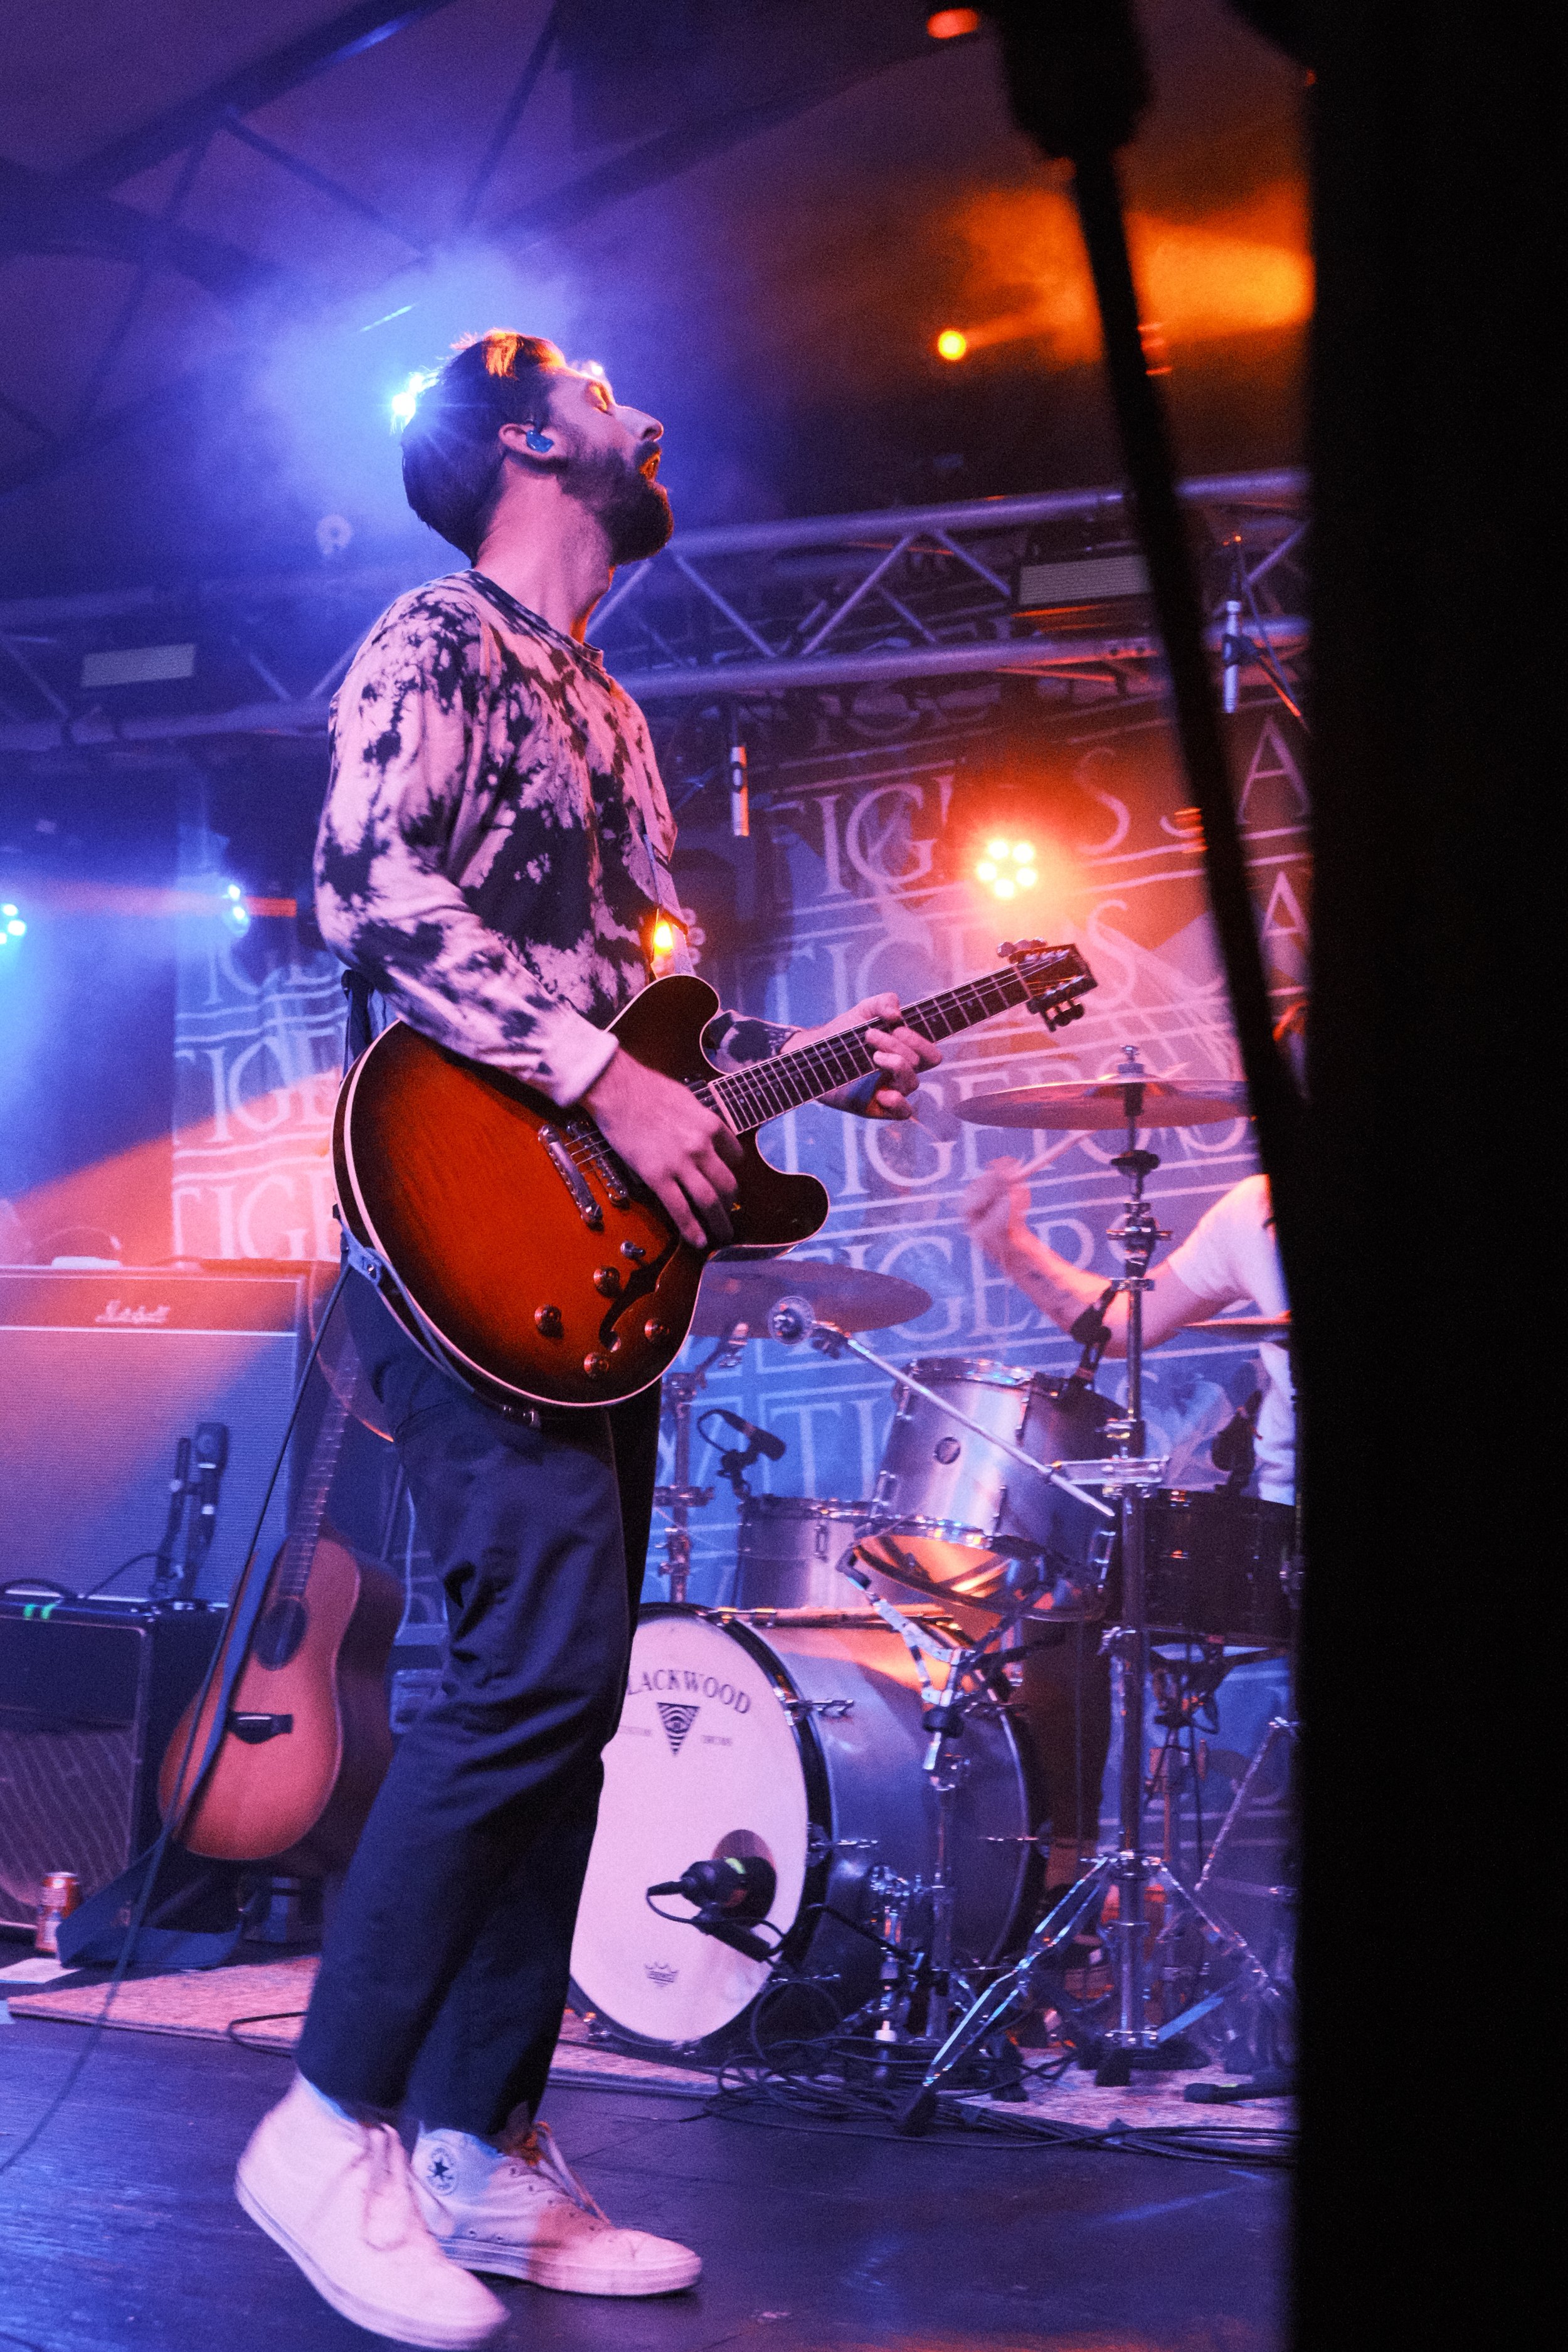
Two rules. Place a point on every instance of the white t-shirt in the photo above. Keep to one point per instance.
(1230, 1257)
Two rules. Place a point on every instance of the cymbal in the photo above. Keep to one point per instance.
(1245, 1327)
(742, 1290)
(1106, 1102)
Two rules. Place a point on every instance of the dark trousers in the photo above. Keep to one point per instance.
(443, 1969)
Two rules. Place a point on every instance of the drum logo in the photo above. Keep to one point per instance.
(677, 1721)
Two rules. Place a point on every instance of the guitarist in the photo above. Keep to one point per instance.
(493, 855)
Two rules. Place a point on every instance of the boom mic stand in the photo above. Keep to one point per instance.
(1132, 2041)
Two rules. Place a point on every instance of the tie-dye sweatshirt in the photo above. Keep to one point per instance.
(495, 845)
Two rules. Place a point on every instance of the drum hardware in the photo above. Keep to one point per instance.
(1131, 1097)
(681, 1390)
(793, 1320)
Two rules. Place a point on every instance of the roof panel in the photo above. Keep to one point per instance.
(78, 73)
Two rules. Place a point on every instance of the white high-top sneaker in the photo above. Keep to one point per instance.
(526, 2215)
(337, 2196)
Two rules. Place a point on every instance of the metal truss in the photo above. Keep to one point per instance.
(73, 212)
(725, 615)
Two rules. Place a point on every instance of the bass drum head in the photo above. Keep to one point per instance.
(803, 1743)
(705, 1763)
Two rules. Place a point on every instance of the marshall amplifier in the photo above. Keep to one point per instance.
(103, 1372)
(89, 1693)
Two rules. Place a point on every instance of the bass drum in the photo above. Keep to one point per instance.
(803, 1745)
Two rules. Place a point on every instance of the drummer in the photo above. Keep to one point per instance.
(1229, 1259)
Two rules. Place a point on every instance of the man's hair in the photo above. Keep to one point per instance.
(451, 457)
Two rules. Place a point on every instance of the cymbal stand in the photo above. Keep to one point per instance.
(941, 1718)
(1129, 1873)
(681, 1390)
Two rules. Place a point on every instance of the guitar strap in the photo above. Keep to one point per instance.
(357, 1029)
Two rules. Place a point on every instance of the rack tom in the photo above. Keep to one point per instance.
(976, 1521)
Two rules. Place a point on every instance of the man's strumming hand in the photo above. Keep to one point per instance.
(680, 1151)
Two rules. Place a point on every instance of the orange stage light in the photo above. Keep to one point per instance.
(952, 24)
(1244, 272)
(952, 344)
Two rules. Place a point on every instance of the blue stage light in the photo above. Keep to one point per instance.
(403, 403)
(234, 910)
(13, 926)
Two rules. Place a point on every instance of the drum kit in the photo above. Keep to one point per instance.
(829, 1770)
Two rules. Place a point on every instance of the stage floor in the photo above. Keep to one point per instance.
(118, 2232)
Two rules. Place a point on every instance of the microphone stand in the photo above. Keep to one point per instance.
(681, 1390)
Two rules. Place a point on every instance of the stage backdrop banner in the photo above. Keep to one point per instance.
(858, 876)
(258, 1034)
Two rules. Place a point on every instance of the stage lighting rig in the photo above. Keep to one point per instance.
(13, 929)
(403, 402)
(1007, 869)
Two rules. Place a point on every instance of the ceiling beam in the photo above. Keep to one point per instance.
(40, 213)
(249, 88)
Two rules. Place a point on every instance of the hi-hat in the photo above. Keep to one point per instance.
(740, 1290)
(1108, 1102)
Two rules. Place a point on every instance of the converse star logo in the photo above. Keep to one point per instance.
(441, 2172)
(677, 1721)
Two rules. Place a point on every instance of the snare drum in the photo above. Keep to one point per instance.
(801, 1743)
(957, 1501)
(1218, 1565)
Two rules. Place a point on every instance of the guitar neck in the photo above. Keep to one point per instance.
(747, 1098)
(300, 1547)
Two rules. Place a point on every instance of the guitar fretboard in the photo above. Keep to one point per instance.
(747, 1098)
(300, 1547)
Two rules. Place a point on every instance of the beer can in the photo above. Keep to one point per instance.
(60, 1896)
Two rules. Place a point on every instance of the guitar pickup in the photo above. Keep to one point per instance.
(572, 1176)
(255, 1729)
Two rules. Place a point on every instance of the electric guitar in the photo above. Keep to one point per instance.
(307, 1740)
(522, 1254)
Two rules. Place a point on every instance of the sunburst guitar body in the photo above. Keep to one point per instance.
(522, 1254)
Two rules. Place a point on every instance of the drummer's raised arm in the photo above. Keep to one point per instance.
(995, 1209)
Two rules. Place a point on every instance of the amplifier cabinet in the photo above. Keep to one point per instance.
(89, 1693)
(103, 1371)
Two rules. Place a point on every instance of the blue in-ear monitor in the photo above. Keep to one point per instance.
(540, 443)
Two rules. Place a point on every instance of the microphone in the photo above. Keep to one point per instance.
(743, 1883)
(1230, 650)
(728, 1893)
(775, 1448)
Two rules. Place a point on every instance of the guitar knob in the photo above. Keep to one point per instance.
(654, 1329)
(606, 1281)
(547, 1322)
(595, 1366)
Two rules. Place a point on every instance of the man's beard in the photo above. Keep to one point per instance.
(634, 511)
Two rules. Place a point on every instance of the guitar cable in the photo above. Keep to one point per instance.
(176, 1815)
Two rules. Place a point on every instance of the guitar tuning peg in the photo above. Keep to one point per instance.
(1005, 948)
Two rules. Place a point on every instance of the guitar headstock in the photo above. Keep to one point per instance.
(1053, 977)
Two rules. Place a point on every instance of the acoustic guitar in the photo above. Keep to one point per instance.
(522, 1254)
(307, 1740)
